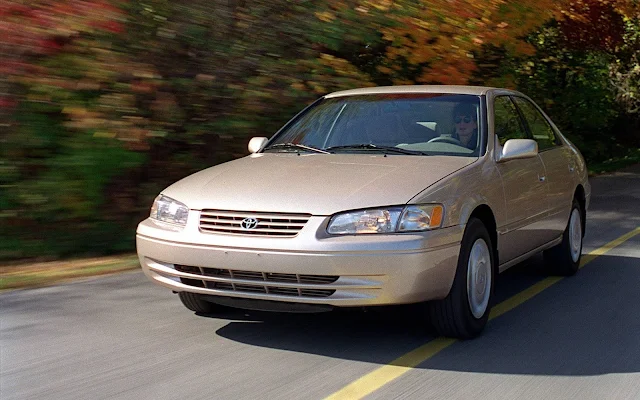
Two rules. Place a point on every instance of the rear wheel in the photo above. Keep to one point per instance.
(465, 311)
(564, 259)
(194, 302)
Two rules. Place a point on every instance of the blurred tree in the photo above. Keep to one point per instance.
(434, 41)
(611, 27)
(583, 73)
(107, 102)
(55, 156)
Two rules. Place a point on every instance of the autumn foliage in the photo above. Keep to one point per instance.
(440, 38)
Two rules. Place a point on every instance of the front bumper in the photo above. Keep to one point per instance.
(311, 268)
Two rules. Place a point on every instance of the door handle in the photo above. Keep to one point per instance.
(542, 178)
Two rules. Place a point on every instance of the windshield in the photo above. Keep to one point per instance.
(405, 123)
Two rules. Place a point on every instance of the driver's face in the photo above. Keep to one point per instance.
(465, 126)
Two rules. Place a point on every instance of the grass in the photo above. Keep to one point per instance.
(616, 163)
(48, 273)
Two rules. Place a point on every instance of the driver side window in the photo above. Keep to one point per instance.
(507, 122)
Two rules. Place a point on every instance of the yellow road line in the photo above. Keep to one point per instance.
(381, 376)
(531, 291)
(514, 301)
(607, 247)
(396, 368)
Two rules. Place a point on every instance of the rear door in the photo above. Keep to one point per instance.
(525, 188)
(558, 163)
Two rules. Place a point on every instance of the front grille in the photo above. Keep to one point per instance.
(191, 270)
(268, 224)
(266, 276)
(236, 281)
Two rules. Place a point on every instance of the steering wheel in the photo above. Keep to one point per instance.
(445, 139)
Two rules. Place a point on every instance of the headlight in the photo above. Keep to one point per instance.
(388, 220)
(365, 221)
(166, 209)
(421, 217)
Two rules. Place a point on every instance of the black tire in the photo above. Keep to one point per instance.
(452, 316)
(559, 259)
(194, 302)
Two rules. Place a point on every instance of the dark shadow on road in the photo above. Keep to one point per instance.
(584, 325)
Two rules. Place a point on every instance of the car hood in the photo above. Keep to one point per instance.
(318, 184)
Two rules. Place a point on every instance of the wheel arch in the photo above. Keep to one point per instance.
(484, 213)
(580, 196)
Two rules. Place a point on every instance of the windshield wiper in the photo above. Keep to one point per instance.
(295, 146)
(371, 146)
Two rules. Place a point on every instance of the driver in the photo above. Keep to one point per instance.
(466, 122)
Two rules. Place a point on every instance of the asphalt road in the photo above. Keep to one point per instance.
(122, 337)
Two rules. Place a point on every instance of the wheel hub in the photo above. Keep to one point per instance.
(479, 273)
(575, 235)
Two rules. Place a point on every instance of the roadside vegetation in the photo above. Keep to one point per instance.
(30, 275)
(103, 103)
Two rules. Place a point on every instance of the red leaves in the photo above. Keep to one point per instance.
(53, 50)
(7, 103)
(593, 25)
(49, 46)
(114, 27)
(37, 28)
(108, 26)
(437, 40)
(8, 9)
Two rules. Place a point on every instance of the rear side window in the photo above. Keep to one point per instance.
(538, 124)
(507, 122)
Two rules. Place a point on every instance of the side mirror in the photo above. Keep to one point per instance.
(256, 144)
(515, 149)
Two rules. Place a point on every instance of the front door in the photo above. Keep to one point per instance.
(525, 188)
(557, 160)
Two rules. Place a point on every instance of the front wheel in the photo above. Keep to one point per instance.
(464, 313)
(564, 259)
(194, 302)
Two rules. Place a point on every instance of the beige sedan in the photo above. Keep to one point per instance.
(376, 196)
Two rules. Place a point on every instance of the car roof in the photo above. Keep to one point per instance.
(453, 89)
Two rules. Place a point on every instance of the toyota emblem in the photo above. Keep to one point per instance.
(249, 223)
